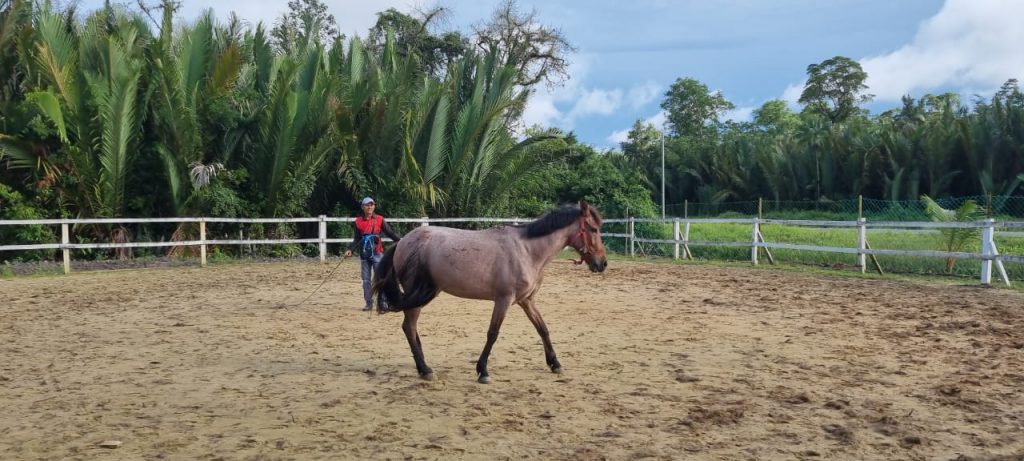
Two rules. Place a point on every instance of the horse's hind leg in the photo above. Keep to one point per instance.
(409, 327)
(549, 351)
(497, 316)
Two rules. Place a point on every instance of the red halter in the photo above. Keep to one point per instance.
(581, 234)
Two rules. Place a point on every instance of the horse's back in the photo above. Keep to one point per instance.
(465, 263)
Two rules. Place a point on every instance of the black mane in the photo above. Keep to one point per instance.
(552, 221)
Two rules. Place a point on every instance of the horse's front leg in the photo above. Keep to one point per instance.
(497, 316)
(538, 322)
(409, 327)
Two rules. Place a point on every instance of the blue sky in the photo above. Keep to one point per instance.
(630, 52)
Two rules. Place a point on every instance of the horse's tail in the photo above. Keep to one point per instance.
(415, 278)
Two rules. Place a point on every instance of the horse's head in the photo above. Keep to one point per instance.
(587, 239)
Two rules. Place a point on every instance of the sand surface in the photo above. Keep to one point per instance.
(661, 362)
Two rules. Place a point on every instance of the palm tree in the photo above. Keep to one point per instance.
(91, 94)
(293, 133)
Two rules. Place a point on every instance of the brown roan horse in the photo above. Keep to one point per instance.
(504, 264)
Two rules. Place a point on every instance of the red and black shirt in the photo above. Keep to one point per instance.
(375, 225)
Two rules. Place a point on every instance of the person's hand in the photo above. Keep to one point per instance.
(348, 253)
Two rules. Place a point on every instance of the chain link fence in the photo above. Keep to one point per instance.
(1006, 208)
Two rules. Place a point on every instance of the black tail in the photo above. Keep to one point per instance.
(415, 278)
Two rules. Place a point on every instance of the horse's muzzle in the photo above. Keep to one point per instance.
(597, 264)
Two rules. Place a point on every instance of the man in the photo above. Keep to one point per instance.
(366, 240)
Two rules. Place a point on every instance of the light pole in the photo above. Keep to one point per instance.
(662, 175)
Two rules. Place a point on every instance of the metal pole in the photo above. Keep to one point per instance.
(663, 175)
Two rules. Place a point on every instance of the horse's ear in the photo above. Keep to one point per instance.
(584, 205)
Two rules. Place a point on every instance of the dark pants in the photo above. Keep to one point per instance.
(368, 268)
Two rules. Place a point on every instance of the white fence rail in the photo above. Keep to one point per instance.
(989, 254)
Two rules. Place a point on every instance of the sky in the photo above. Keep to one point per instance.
(630, 52)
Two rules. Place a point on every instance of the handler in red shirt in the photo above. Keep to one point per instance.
(366, 240)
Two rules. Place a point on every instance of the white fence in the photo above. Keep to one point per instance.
(989, 254)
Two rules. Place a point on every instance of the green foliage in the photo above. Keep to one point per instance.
(692, 108)
(835, 88)
(955, 239)
(14, 206)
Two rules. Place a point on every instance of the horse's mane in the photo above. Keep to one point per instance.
(555, 220)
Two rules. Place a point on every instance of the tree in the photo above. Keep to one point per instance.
(835, 88)
(775, 117)
(305, 21)
(537, 52)
(91, 96)
(412, 37)
(691, 107)
(642, 143)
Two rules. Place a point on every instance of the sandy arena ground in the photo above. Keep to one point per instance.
(662, 362)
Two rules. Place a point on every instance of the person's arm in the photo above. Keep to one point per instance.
(386, 229)
(357, 238)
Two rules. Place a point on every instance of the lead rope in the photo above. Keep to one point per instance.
(329, 275)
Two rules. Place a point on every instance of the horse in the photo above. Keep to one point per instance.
(502, 264)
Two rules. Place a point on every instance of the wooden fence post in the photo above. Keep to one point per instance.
(202, 242)
(987, 237)
(65, 239)
(675, 236)
(425, 223)
(753, 247)
(323, 238)
(862, 240)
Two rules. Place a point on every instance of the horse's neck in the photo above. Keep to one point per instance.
(544, 249)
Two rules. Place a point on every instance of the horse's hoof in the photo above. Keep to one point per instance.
(557, 370)
(427, 376)
(484, 379)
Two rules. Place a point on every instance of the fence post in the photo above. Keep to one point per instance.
(202, 242)
(753, 248)
(862, 240)
(425, 223)
(65, 239)
(632, 239)
(323, 238)
(675, 236)
(987, 237)
(686, 238)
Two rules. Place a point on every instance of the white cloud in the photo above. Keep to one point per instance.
(596, 102)
(658, 120)
(972, 45)
(618, 137)
(740, 114)
(968, 43)
(642, 94)
(541, 110)
(543, 106)
(792, 94)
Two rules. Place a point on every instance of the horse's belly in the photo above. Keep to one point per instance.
(471, 287)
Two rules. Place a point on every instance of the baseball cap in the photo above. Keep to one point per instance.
(366, 200)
